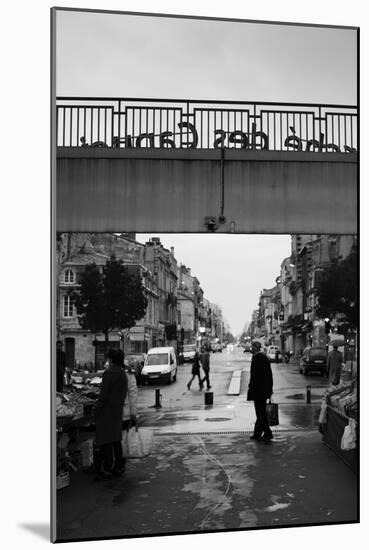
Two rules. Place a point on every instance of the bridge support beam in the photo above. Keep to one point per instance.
(174, 190)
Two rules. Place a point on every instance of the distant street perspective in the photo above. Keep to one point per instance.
(201, 462)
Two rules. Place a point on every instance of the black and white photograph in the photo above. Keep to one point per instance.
(206, 268)
(205, 298)
(184, 269)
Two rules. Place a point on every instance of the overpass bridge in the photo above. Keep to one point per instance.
(149, 165)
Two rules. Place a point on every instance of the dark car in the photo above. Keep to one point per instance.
(314, 359)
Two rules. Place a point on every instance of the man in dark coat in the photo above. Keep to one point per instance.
(108, 417)
(60, 366)
(260, 389)
(205, 363)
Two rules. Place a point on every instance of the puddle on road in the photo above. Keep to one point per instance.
(295, 396)
(299, 416)
(303, 396)
(276, 507)
(217, 419)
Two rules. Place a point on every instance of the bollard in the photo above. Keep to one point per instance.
(308, 394)
(208, 397)
(158, 397)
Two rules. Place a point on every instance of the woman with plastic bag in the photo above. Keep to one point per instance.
(136, 443)
(130, 405)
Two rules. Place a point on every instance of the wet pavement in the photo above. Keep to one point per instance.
(239, 416)
(204, 473)
(210, 482)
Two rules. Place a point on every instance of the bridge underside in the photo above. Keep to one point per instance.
(150, 190)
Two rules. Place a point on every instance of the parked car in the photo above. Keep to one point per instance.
(160, 364)
(273, 353)
(314, 359)
(189, 351)
(247, 348)
(136, 360)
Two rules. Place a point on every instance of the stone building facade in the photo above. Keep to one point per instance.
(289, 310)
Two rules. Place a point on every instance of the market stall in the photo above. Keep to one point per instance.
(75, 426)
(338, 421)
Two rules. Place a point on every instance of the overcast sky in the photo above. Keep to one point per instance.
(147, 56)
(232, 269)
(155, 57)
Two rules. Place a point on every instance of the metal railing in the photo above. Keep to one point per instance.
(171, 123)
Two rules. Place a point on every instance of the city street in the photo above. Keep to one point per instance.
(183, 409)
(204, 473)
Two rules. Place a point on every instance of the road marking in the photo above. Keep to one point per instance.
(235, 384)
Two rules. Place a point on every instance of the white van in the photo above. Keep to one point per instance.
(160, 364)
(272, 353)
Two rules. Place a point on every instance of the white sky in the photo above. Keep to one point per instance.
(121, 55)
(147, 56)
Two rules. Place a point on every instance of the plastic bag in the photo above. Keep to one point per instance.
(323, 413)
(348, 441)
(137, 443)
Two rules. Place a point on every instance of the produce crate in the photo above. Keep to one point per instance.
(332, 435)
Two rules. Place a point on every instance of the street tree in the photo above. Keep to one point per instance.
(337, 292)
(109, 299)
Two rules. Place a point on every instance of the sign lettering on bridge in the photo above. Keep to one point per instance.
(195, 125)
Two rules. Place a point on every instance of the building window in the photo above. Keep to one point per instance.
(69, 276)
(68, 306)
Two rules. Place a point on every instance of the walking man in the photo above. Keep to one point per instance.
(335, 362)
(205, 363)
(195, 371)
(260, 389)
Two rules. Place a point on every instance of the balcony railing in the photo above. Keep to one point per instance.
(169, 123)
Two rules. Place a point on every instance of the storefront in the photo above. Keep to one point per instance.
(138, 340)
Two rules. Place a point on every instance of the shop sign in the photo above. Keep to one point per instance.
(137, 337)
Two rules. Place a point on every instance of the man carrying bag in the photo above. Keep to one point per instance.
(260, 390)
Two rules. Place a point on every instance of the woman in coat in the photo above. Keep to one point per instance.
(108, 416)
(130, 404)
(195, 370)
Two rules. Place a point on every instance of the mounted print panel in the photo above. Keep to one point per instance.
(205, 275)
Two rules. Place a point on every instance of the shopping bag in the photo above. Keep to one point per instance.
(272, 413)
(137, 443)
(323, 413)
(348, 441)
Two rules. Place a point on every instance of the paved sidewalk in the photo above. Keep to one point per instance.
(208, 481)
